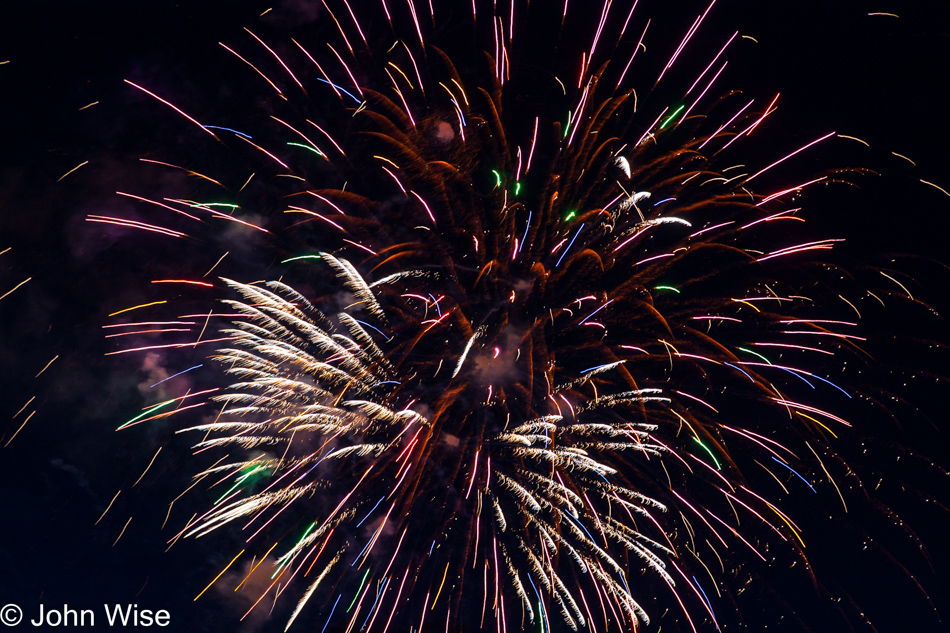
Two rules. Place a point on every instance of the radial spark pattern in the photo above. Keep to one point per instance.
(565, 359)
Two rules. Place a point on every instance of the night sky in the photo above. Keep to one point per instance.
(879, 78)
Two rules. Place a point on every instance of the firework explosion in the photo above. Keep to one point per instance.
(551, 356)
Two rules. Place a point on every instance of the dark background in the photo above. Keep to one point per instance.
(882, 79)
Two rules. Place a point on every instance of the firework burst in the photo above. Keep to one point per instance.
(555, 355)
